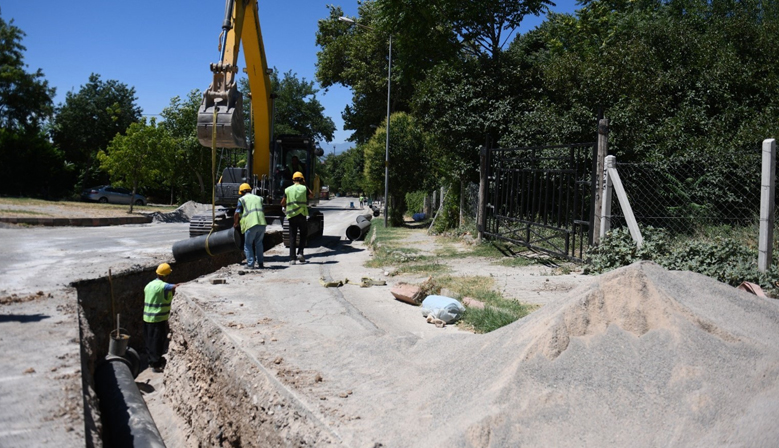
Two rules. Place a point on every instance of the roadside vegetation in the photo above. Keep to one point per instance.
(728, 254)
(398, 249)
(15, 207)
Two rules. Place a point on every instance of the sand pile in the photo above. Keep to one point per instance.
(640, 357)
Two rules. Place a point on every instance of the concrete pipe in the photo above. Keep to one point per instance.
(203, 246)
(126, 419)
(358, 231)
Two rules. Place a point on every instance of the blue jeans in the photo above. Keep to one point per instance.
(252, 245)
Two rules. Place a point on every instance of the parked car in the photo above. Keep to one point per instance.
(113, 195)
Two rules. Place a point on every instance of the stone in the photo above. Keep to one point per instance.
(407, 293)
(473, 303)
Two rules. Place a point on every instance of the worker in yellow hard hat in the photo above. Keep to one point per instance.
(250, 219)
(296, 202)
(156, 311)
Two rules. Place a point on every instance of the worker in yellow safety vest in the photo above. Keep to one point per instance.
(250, 218)
(156, 311)
(295, 200)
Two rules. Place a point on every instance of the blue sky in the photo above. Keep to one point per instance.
(163, 48)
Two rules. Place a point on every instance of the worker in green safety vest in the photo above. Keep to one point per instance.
(295, 200)
(156, 311)
(250, 219)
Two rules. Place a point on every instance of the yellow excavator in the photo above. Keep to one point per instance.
(220, 124)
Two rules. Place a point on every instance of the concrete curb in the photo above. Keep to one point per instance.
(79, 222)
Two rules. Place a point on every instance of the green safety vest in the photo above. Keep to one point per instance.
(251, 212)
(297, 200)
(156, 307)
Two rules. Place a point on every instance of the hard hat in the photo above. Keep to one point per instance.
(164, 269)
(244, 187)
(298, 175)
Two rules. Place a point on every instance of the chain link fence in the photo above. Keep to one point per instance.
(693, 196)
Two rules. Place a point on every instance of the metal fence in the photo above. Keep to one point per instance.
(692, 197)
(542, 197)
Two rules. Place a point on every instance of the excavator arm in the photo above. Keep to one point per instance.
(241, 26)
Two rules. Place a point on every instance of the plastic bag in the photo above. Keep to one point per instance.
(445, 308)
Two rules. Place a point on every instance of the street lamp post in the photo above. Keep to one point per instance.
(386, 145)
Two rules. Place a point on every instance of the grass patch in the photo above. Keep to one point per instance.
(423, 269)
(12, 211)
(494, 316)
(498, 311)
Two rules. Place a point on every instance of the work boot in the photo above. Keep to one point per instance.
(301, 258)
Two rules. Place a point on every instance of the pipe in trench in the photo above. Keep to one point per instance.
(191, 249)
(127, 421)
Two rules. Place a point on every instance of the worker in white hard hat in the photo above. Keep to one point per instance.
(250, 219)
(156, 311)
(295, 200)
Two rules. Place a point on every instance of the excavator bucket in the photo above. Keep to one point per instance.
(228, 103)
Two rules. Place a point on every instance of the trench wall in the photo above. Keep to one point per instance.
(97, 317)
(226, 396)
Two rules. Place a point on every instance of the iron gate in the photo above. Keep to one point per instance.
(542, 197)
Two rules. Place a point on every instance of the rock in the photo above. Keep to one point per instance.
(473, 303)
(407, 293)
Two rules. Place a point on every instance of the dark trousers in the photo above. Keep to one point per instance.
(297, 224)
(156, 336)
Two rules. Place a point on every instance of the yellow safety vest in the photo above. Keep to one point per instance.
(251, 212)
(297, 200)
(156, 307)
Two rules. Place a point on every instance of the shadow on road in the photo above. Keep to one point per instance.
(22, 318)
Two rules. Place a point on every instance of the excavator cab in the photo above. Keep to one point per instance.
(223, 98)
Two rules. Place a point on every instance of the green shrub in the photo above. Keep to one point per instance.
(415, 202)
(725, 259)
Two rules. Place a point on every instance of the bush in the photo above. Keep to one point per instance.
(415, 202)
(724, 259)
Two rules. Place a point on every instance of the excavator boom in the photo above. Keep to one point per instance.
(241, 26)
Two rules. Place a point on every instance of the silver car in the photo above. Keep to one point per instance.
(113, 195)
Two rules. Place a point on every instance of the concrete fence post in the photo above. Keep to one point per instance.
(608, 190)
(767, 206)
(599, 176)
(482, 191)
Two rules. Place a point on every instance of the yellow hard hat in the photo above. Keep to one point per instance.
(298, 175)
(164, 269)
(244, 187)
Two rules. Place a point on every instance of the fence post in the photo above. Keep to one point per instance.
(767, 206)
(608, 189)
(462, 200)
(482, 190)
(603, 150)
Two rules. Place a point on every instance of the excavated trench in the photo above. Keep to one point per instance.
(219, 383)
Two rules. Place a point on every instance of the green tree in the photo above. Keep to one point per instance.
(29, 163)
(88, 120)
(191, 160)
(140, 158)
(409, 168)
(297, 109)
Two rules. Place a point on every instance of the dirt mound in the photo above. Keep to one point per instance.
(182, 214)
(640, 357)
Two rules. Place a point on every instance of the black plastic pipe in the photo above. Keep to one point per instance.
(126, 419)
(358, 231)
(206, 245)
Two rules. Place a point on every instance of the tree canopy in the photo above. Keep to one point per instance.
(89, 119)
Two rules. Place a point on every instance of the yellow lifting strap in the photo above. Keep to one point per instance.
(213, 181)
